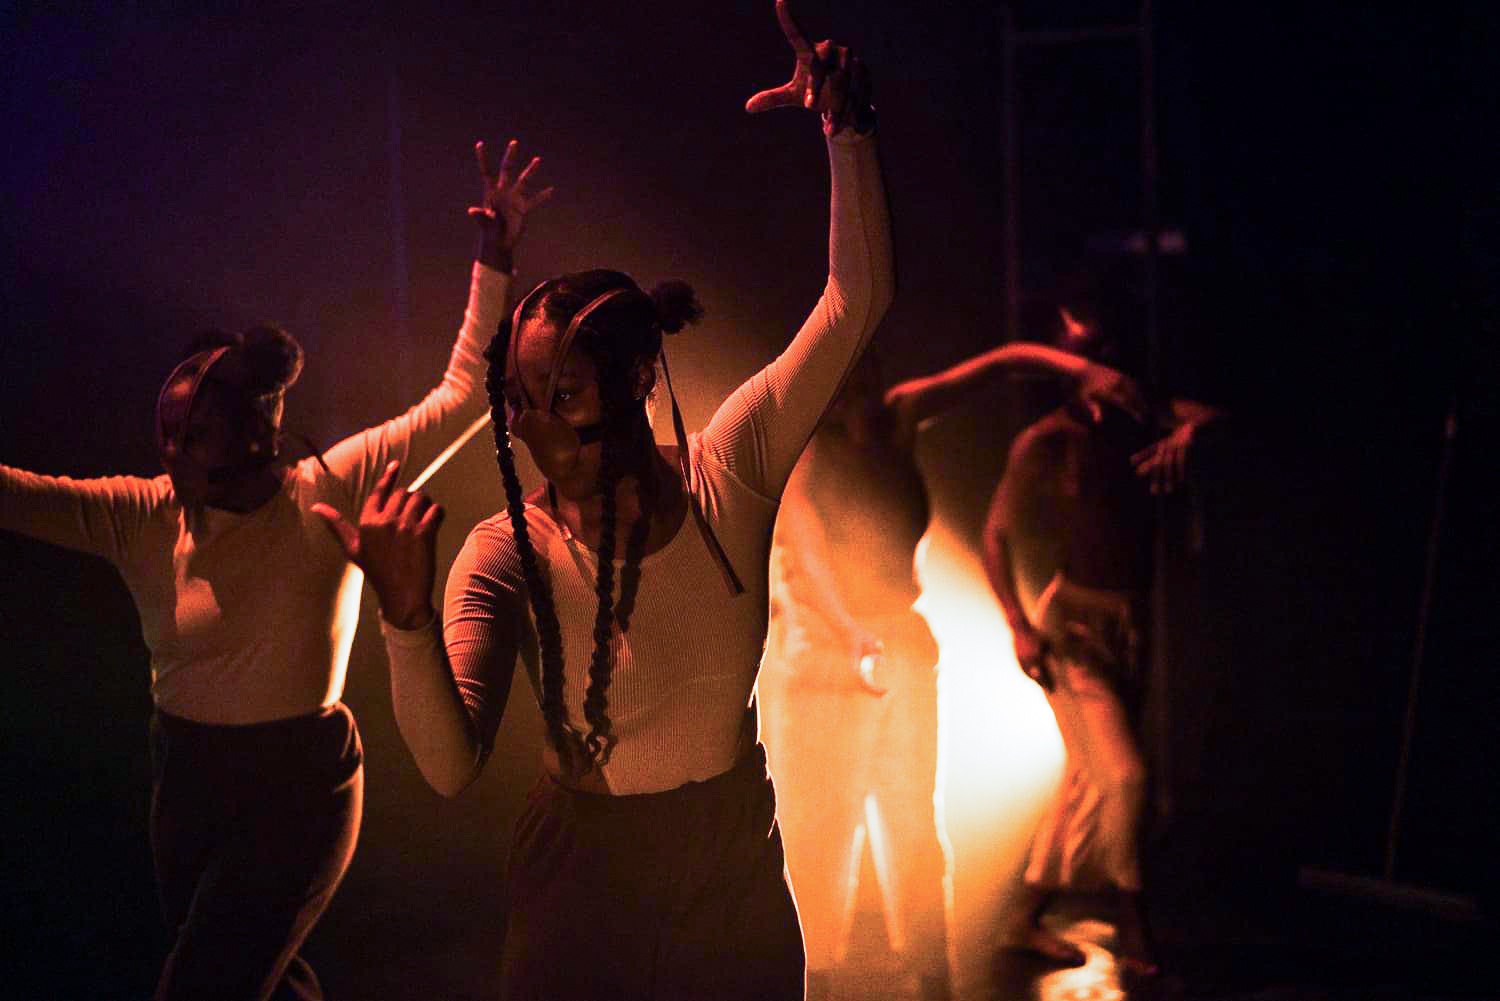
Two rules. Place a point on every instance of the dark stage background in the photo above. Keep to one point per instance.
(170, 166)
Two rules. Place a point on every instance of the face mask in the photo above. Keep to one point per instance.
(554, 444)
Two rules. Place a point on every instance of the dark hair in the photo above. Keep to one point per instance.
(1107, 297)
(619, 336)
(269, 357)
(249, 380)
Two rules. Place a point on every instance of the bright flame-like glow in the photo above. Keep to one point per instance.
(999, 753)
(885, 875)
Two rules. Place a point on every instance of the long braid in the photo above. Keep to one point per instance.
(618, 345)
(549, 630)
(595, 703)
(635, 549)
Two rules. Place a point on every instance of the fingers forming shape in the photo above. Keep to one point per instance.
(824, 57)
(487, 169)
(526, 174)
(380, 497)
(794, 35)
(793, 93)
(508, 162)
(788, 95)
(414, 504)
(345, 534)
(539, 198)
(431, 521)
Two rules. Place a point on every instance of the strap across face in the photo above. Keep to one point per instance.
(554, 443)
(565, 345)
(174, 404)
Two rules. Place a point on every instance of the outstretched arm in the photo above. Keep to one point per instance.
(100, 516)
(761, 429)
(917, 400)
(418, 438)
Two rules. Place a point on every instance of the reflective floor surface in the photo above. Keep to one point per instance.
(1322, 949)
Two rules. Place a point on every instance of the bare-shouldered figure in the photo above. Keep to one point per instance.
(847, 690)
(1071, 511)
(1072, 518)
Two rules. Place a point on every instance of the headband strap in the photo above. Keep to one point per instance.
(736, 588)
(566, 344)
(195, 369)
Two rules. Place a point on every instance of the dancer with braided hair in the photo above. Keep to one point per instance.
(249, 612)
(648, 862)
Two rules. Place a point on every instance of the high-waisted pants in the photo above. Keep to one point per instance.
(673, 895)
(252, 828)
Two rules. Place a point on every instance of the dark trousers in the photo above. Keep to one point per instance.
(252, 828)
(673, 895)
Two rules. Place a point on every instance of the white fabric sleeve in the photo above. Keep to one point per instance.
(450, 686)
(99, 516)
(418, 436)
(761, 429)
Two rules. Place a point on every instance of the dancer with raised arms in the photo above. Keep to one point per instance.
(249, 610)
(647, 863)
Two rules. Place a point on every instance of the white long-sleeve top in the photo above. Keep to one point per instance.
(249, 616)
(685, 661)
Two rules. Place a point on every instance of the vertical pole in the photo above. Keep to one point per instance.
(1159, 699)
(1149, 207)
(1012, 225)
(1419, 646)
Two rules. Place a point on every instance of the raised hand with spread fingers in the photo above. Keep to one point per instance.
(505, 203)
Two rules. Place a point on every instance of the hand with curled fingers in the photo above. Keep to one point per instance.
(505, 200)
(1164, 463)
(827, 78)
(395, 544)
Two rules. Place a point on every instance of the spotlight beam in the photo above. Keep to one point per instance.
(447, 453)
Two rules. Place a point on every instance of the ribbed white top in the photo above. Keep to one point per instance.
(685, 664)
(249, 617)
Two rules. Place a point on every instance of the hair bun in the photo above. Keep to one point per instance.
(677, 305)
(273, 357)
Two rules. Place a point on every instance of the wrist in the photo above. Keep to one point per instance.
(493, 253)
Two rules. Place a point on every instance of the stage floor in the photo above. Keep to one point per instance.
(1325, 948)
